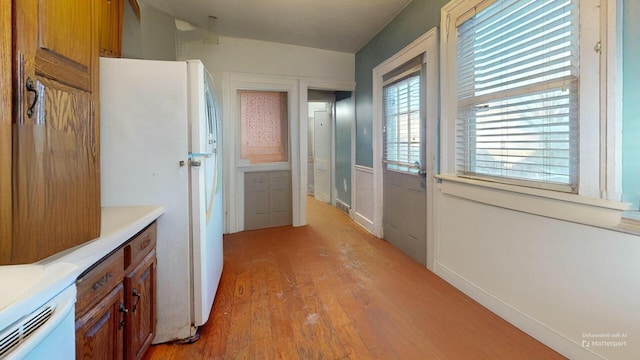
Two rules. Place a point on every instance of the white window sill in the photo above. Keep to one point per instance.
(630, 222)
(557, 205)
(274, 166)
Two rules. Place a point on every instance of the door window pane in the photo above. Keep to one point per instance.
(402, 125)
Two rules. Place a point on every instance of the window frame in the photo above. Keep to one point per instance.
(285, 121)
(599, 177)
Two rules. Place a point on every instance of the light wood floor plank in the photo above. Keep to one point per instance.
(330, 290)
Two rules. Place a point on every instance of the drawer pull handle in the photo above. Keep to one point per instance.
(100, 283)
(32, 88)
(138, 295)
(123, 310)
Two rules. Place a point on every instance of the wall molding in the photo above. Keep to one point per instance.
(362, 205)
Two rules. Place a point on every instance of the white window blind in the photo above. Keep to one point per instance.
(518, 73)
(402, 130)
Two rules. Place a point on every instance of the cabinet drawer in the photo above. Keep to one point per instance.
(140, 246)
(99, 281)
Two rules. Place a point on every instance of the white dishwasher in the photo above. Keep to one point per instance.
(38, 320)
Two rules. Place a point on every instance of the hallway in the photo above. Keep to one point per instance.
(330, 290)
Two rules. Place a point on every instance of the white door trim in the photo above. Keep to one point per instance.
(298, 127)
(427, 44)
(235, 169)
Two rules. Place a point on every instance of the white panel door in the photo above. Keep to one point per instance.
(322, 156)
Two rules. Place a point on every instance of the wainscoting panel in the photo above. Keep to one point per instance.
(363, 204)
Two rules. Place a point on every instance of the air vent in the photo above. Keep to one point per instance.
(9, 342)
(20, 331)
(35, 322)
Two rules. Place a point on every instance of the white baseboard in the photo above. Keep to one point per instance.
(522, 321)
(363, 221)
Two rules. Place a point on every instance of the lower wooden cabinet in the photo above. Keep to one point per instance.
(140, 287)
(115, 309)
(99, 331)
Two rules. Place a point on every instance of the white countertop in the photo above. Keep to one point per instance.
(26, 287)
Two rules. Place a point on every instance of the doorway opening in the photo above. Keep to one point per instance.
(331, 115)
(321, 108)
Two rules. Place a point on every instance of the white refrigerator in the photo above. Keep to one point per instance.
(160, 145)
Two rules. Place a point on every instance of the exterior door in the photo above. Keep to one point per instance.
(404, 185)
(55, 129)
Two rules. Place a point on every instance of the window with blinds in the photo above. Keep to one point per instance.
(402, 113)
(518, 71)
(264, 130)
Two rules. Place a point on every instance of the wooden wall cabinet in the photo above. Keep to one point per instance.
(115, 310)
(111, 18)
(54, 168)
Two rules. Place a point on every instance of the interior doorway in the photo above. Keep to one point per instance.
(320, 152)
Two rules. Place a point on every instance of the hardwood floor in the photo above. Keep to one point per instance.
(331, 290)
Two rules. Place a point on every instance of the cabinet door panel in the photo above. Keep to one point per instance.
(64, 20)
(6, 98)
(55, 149)
(99, 332)
(140, 300)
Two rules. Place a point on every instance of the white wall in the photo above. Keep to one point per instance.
(263, 65)
(268, 58)
(558, 281)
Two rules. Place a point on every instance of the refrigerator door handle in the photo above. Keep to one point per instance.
(196, 155)
(193, 158)
(193, 155)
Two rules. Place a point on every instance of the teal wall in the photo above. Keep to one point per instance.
(631, 103)
(158, 31)
(131, 34)
(345, 116)
(416, 19)
(421, 15)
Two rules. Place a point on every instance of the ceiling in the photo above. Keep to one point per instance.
(339, 25)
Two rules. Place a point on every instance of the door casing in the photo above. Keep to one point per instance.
(298, 127)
